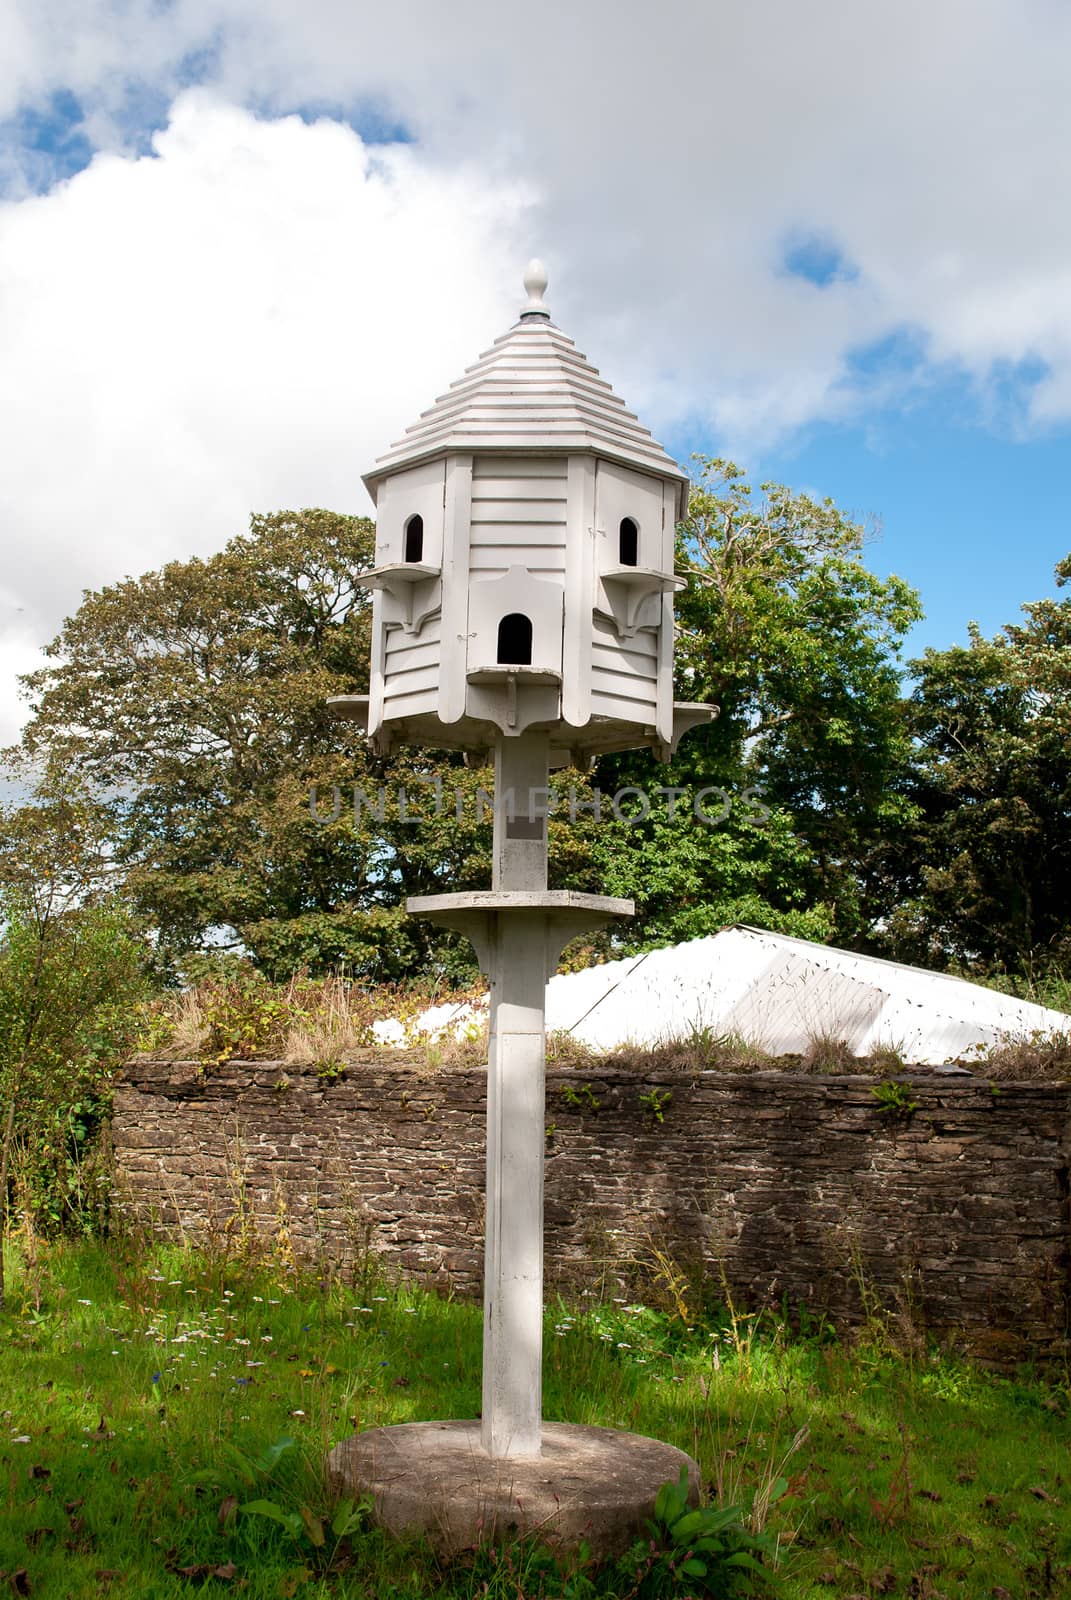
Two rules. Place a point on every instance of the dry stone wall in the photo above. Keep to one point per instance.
(787, 1188)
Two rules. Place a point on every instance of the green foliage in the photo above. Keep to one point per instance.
(580, 1096)
(706, 1550)
(70, 999)
(986, 872)
(893, 1098)
(195, 699)
(655, 1103)
(72, 984)
(784, 626)
(139, 1427)
(245, 1016)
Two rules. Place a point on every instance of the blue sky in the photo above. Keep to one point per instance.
(243, 244)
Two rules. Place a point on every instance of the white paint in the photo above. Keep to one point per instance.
(770, 989)
(519, 930)
(514, 441)
(524, 473)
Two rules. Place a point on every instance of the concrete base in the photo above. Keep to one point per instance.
(435, 1479)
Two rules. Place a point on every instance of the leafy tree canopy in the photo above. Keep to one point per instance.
(987, 868)
(193, 702)
(785, 628)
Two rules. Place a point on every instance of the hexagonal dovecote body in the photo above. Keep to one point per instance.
(524, 562)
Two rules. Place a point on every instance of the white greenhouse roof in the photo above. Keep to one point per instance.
(532, 390)
(778, 993)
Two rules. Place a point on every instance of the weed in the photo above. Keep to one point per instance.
(580, 1097)
(1037, 1057)
(826, 1052)
(711, 1547)
(893, 1098)
(886, 1058)
(655, 1103)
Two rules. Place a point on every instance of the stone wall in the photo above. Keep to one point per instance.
(792, 1189)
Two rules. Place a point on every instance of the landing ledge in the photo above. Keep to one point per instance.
(520, 900)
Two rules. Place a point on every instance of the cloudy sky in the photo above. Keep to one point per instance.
(244, 242)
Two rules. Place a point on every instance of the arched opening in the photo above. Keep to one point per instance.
(414, 539)
(515, 640)
(628, 548)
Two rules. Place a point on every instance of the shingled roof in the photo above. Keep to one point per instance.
(533, 390)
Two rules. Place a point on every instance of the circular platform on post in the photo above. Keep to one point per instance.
(435, 1479)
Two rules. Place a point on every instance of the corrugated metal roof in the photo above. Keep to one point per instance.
(533, 390)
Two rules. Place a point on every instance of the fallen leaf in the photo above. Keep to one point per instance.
(1043, 1494)
(205, 1569)
(38, 1471)
(228, 1510)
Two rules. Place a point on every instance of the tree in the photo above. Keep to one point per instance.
(72, 974)
(193, 700)
(784, 627)
(986, 873)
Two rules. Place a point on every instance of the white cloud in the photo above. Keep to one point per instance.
(239, 322)
(244, 320)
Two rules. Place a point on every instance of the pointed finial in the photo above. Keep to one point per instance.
(535, 283)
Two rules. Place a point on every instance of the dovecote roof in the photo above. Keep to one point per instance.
(533, 390)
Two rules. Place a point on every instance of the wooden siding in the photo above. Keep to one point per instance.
(624, 674)
(412, 667)
(518, 515)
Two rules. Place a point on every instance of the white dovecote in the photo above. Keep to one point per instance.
(523, 603)
(524, 561)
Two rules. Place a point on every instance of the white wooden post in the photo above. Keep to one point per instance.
(513, 1252)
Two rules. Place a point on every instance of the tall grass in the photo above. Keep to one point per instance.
(151, 1392)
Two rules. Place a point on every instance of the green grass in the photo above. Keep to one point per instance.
(146, 1394)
